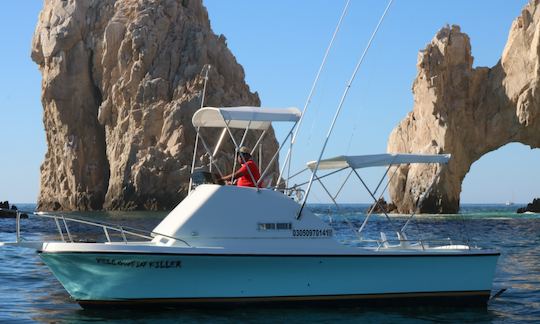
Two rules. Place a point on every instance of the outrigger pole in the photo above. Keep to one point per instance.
(340, 106)
(288, 158)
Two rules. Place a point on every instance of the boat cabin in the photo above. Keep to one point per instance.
(218, 215)
(267, 218)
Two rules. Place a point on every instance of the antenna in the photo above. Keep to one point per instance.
(206, 68)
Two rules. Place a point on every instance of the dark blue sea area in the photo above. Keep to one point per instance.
(30, 293)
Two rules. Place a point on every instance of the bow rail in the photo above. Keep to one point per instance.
(62, 226)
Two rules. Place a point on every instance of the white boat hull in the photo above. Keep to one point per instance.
(134, 278)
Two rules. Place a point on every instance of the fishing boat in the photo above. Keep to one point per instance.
(227, 244)
(231, 244)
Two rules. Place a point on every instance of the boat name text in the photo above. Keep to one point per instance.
(160, 264)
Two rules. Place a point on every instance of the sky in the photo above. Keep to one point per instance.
(280, 44)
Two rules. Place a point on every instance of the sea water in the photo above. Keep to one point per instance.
(30, 293)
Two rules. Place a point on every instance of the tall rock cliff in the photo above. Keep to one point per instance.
(121, 81)
(467, 111)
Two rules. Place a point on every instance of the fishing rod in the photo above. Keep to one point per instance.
(340, 106)
(288, 158)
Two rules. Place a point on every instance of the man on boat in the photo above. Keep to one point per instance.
(248, 174)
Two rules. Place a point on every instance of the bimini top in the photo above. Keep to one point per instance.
(243, 117)
(366, 161)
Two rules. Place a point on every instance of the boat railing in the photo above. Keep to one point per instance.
(422, 244)
(62, 221)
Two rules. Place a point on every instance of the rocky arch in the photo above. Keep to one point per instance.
(466, 111)
(514, 165)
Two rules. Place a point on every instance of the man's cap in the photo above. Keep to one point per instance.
(244, 150)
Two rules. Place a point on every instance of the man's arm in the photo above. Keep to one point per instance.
(236, 175)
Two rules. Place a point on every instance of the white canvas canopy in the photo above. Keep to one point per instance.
(247, 119)
(366, 161)
(256, 118)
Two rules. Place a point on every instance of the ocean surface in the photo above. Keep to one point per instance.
(30, 293)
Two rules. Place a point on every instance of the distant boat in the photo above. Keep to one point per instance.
(510, 202)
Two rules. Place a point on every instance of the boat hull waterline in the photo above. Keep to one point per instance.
(140, 278)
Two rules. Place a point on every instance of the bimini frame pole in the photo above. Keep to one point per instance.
(373, 197)
(193, 161)
(209, 152)
(340, 106)
(258, 142)
(273, 159)
(370, 212)
(288, 158)
(237, 147)
(218, 145)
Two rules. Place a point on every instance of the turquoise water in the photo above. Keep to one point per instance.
(29, 292)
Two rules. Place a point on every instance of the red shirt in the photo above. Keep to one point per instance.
(245, 179)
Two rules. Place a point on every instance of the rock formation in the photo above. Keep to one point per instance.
(533, 207)
(121, 80)
(381, 206)
(7, 211)
(467, 111)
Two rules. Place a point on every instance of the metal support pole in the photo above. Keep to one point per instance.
(18, 226)
(286, 164)
(236, 148)
(288, 158)
(245, 134)
(220, 141)
(206, 69)
(342, 185)
(106, 234)
(328, 193)
(384, 176)
(338, 208)
(241, 156)
(207, 149)
(340, 106)
(123, 234)
(260, 156)
(67, 229)
(193, 161)
(259, 142)
(382, 193)
(274, 157)
(373, 196)
(280, 175)
(299, 172)
(289, 166)
(59, 229)
(323, 176)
